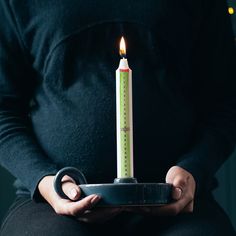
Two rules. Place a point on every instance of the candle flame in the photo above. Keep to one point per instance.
(122, 47)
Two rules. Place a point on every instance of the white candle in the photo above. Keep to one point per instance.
(124, 117)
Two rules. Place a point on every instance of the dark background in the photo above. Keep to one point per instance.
(225, 194)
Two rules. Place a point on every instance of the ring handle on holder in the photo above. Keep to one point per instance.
(74, 173)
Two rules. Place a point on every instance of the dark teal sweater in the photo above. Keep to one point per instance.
(57, 87)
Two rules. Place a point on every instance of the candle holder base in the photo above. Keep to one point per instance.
(125, 181)
(119, 193)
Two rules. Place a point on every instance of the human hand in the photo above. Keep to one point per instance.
(81, 209)
(183, 193)
(184, 187)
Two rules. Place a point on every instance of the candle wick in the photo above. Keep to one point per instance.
(123, 55)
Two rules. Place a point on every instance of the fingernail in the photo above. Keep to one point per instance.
(178, 193)
(95, 200)
(73, 193)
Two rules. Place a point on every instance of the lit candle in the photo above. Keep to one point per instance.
(124, 116)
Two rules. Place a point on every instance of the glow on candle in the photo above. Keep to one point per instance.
(124, 116)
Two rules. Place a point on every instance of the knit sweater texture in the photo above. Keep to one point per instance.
(57, 87)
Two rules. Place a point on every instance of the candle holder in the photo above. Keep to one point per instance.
(123, 192)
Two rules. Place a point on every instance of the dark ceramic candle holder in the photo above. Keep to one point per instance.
(123, 192)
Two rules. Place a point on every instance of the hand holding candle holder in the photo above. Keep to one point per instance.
(125, 191)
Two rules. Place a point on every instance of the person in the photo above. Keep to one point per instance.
(57, 108)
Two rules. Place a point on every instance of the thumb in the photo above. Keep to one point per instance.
(176, 193)
(179, 186)
(71, 190)
(180, 182)
(179, 179)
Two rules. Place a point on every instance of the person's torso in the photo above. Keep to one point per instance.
(74, 49)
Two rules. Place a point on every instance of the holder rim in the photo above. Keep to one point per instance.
(120, 193)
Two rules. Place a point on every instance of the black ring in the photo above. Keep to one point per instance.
(74, 173)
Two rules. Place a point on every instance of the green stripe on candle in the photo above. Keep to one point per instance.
(125, 125)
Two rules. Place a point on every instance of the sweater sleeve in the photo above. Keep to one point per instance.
(20, 153)
(215, 98)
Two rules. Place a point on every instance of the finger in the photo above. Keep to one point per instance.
(181, 182)
(170, 176)
(71, 190)
(177, 193)
(99, 215)
(79, 207)
(189, 207)
(67, 178)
